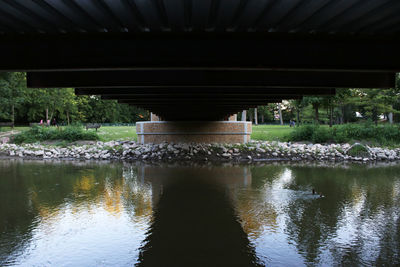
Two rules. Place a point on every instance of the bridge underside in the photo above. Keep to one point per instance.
(202, 60)
(207, 93)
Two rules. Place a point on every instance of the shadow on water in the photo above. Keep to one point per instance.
(195, 225)
(120, 214)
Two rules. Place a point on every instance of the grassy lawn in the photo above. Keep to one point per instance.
(108, 133)
(260, 132)
(270, 132)
(18, 128)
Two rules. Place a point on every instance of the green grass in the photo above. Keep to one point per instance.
(260, 132)
(108, 133)
(6, 129)
(358, 151)
(271, 132)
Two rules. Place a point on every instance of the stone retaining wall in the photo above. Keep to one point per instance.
(169, 152)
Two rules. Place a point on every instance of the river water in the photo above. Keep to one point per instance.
(122, 214)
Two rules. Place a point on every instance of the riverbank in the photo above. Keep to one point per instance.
(251, 152)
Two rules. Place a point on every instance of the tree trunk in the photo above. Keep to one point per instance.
(51, 115)
(390, 117)
(298, 116)
(47, 114)
(331, 115)
(316, 114)
(262, 118)
(342, 115)
(280, 113)
(255, 116)
(244, 115)
(375, 115)
(12, 115)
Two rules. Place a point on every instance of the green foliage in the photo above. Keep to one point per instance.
(68, 133)
(12, 85)
(316, 103)
(266, 113)
(383, 134)
(102, 111)
(303, 133)
(358, 150)
(30, 105)
(322, 135)
(373, 102)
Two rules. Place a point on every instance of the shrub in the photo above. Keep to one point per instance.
(68, 133)
(321, 135)
(382, 134)
(358, 150)
(303, 133)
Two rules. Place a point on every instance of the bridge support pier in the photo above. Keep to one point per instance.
(193, 131)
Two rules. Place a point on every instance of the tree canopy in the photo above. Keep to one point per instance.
(30, 104)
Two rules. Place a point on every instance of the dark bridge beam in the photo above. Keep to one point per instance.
(210, 98)
(196, 110)
(198, 91)
(204, 103)
(201, 105)
(285, 51)
(152, 78)
(213, 111)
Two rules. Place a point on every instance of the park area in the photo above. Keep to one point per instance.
(385, 135)
(125, 133)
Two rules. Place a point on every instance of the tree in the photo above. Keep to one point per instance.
(377, 101)
(280, 113)
(12, 85)
(26, 105)
(69, 105)
(328, 103)
(316, 103)
(298, 106)
(266, 112)
(342, 100)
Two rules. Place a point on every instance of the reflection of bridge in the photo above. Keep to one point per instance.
(194, 221)
(162, 176)
(202, 60)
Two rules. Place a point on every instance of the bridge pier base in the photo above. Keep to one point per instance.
(193, 131)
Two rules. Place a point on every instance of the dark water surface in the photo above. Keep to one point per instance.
(120, 214)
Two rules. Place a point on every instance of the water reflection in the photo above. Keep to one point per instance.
(194, 222)
(115, 214)
(356, 223)
(71, 214)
